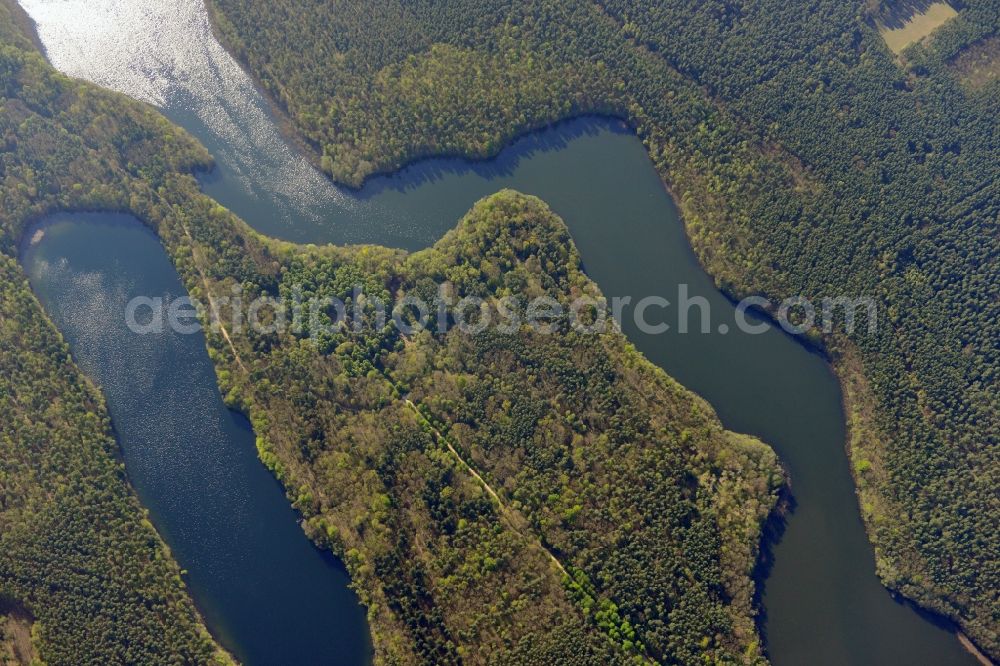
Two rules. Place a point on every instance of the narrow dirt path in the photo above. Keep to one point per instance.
(213, 309)
(518, 522)
(513, 518)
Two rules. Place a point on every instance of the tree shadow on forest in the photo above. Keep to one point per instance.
(895, 14)
(12, 606)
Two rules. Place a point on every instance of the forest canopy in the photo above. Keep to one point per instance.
(807, 159)
(515, 499)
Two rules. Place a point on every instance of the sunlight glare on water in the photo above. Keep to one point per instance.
(165, 53)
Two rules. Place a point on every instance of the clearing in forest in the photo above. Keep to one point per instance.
(16, 648)
(917, 27)
(979, 64)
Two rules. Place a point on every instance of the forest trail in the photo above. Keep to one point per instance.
(516, 521)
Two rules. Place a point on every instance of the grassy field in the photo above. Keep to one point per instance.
(16, 646)
(918, 26)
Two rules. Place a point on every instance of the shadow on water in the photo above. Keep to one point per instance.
(771, 535)
(551, 138)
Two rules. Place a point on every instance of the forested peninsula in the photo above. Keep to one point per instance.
(505, 498)
(808, 158)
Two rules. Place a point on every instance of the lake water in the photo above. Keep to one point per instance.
(823, 603)
(265, 591)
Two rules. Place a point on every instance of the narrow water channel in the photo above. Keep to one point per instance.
(823, 602)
